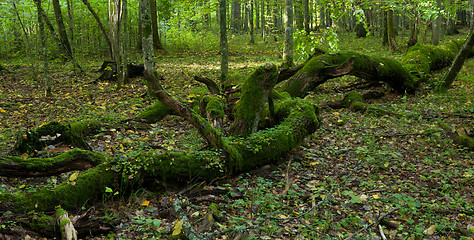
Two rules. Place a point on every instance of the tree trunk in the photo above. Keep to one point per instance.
(306, 16)
(403, 76)
(391, 31)
(101, 26)
(50, 27)
(236, 18)
(251, 25)
(413, 38)
(48, 87)
(115, 21)
(288, 47)
(21, 24)
(224, 47)
(61, 28)
(458, 62)
(154, 23)
(437, 25)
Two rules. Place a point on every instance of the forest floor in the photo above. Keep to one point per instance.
(396, 176)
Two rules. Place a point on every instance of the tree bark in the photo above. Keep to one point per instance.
(306, 16)
(224, 47)
(458, 62)
(41, 18)
(48, 24)
(437, 25)
(101, 26)
(288, 47)
(251, 25)
(236, 18)
(61, 28)
(391, 31)
(154, 22)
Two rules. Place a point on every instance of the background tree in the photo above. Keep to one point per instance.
(288, 46)
(224, 48)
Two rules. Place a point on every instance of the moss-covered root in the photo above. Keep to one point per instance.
(75, 159)
(255, 92)
(89, 186)
(155, 112)
(459, 135)
(53, 133)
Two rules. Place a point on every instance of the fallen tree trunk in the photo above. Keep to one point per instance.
(240, 154)
(403, 76)
(74, 159)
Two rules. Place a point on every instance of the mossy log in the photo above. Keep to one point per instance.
(403, 76)
(239, 154)
(155, 113)
(255, 92)
(53, 133)
(75, 159)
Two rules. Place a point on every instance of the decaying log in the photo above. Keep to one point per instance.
(255, 92)
(53, 133)
(403, 76)
(75, 159)
(108, 71)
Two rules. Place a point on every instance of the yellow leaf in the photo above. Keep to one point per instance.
(177, 228)
(467, 175)
(145, 203)
(282, 216)
(73, 176)
(22, 186)
(24, 155)
(3, 110)
(430, 230)
(376, 196)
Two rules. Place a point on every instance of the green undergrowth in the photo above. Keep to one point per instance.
(357, 167)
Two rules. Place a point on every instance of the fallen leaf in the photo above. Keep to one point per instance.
(145, 203)
(430, 230)
(177, 228)
(73, 176)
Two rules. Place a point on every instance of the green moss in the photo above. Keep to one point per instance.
(268, 145)
(233, 80)
(254, 91)
(277, 95)
(40, 222)
(48, 134)
(352, 97)
(215, 106)
(85, 127)
(465, 141)
(359, 106)
(88, 187)
(42, 164)
(155, 112)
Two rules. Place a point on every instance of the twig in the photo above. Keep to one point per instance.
(381, 233)
(374, 223)
(287, 179)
